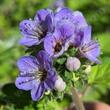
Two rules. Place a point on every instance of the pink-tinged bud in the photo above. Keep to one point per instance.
(60, 84)
(73, 63)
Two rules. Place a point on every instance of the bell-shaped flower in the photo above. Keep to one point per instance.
(34, 31)
(36, 74)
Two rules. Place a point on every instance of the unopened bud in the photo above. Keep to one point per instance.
(60, 84)
(88, 69)
(47, 92)
(73, 63)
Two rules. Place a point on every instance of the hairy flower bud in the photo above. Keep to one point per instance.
(60, 84)
(73, 63)
(47, 92)
(88, 69)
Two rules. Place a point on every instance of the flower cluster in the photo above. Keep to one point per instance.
(57, 31)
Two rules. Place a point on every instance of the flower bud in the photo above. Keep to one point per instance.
(47, 92)
(88, 69)
(73, 63)
(60, 84)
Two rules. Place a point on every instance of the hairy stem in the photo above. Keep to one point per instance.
(85, 90)
(77, 100)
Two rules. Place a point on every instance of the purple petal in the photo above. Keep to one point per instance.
(41, 14)
(92, 58)
(65, 28)
(50, 22)
(79, 19)
(25, 83)
(92, 51)
(61, 35)
(49, 84)
(29, 41)
(27, 64)
(52, 74)
(81, 36)
(77, 38)
(50, 81)
(37, 92)
(31, 31)
(94, 48)
(87, 35)
(44, 60)
(28, 27)
(49, 44)
(64, 13)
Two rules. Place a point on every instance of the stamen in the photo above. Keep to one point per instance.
(90, 46)
(58, 47)
(38, 75)
(41, 74)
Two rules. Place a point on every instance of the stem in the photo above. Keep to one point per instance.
(85, 89)
(78, 102)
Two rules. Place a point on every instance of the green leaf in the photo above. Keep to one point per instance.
(72, 51)
(104, 41)
(68, 75)
(100, 74)
(61, 61)
(17, 97)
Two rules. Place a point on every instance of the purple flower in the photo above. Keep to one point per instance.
(34, 31)
(67, 28)
(82, 33)
(89, 48)
(75, 17)
(55, 44)
(36, 74)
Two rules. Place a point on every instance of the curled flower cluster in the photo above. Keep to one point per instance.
(57, 31)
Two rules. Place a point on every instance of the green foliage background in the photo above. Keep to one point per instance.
(97, 13)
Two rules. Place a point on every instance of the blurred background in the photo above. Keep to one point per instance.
(96, 12)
